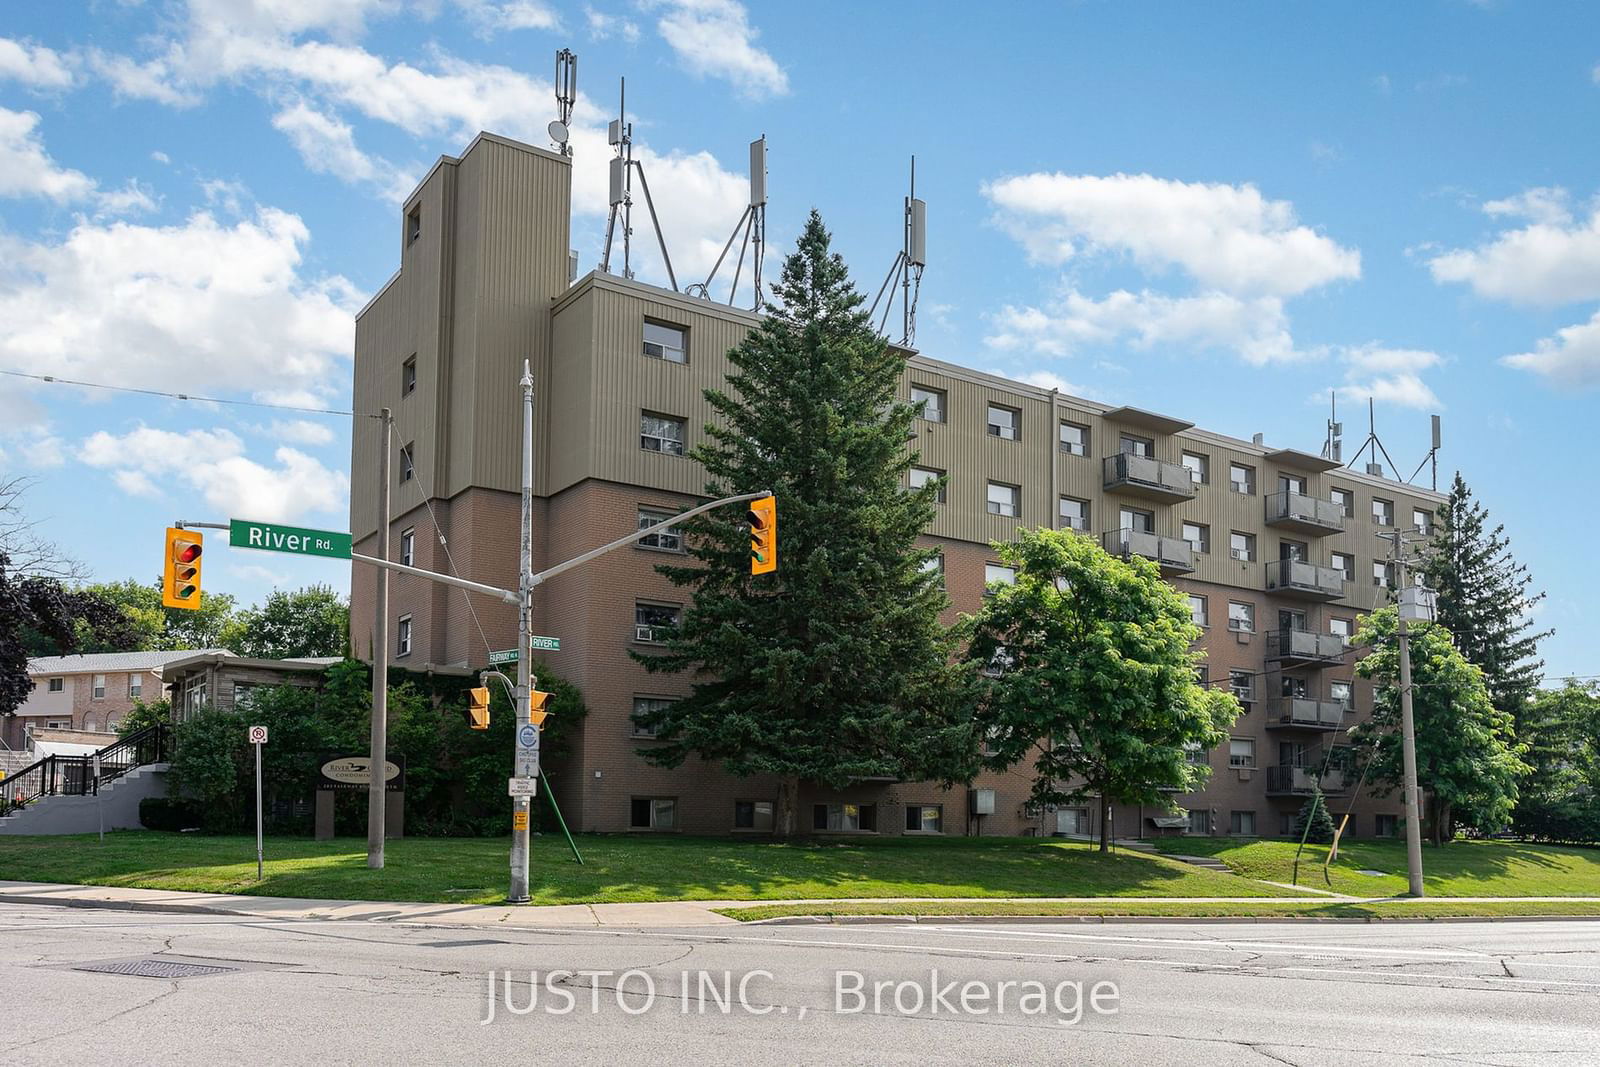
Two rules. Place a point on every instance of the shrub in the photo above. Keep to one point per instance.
(169, 813)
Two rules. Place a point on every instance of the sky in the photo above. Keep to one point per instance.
(1225, 212)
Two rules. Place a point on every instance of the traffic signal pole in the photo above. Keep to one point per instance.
(1408, 737)
(377, 784)
(527, 757)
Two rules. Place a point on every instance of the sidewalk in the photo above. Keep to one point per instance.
(668, 913)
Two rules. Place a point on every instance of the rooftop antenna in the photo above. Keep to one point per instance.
(1332, 445)
(623, 166)
(1431, 458)
(566, 96)
(1373, 467)
(907, 267)
(750, 231)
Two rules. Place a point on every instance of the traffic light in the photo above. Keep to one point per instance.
(763, 519)
(536, 710)
(478, 708)
(180, 574)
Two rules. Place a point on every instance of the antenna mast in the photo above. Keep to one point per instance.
(1332, 445)
(566, 97)
(750, 231)
(623, 166)
(907, 267)
(1374, 467)
(1431, 458)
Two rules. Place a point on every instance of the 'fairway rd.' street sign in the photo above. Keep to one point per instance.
(292, 539)
(510, 655)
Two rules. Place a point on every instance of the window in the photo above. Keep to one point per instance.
(408, 546)
(1241, 617)
(1343, 694)
(1134, 519)
(1242, 546)
(844, 817)
(1197, 609)
(1199, 822)
(670, 343)
(661, 433)
(1243, 684)
(1075, 513)
(1386, 825)
(643, 706)
(667, 538)
(1073, 822)
(649, 618)
(135, 685)
(934, 564)
(1295, 550)
(1198, 534)
(997, 572)
(1241, 752)
(408, 465)
(1136, 446)
(1343, 561)
(1003, 499)
(921, 476)
(99, 687)
(1074, 439)
(924, 819)
(1004, 422)
(752, 815)
(89, 724)
(931, 401)
(58, 685)
(1199, 467)
(413, 225)
(58, 724)
(1292, 483)
(408, 376)
(1286, 824)
(1382, 512)
(1242, 823)
(1342, 629)
(402, 636)
(1193, 753)
(1381, 575)
(1242, 478)
(654, 813)
(1422, 520)
(244, 695)
(1346, 501)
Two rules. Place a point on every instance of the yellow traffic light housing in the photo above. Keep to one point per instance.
(180, 574)
(763, 519)
(536, 707)
(478, 708)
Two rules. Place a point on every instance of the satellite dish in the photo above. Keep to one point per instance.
(558, 131)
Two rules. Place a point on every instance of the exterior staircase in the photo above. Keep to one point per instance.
(79, 794)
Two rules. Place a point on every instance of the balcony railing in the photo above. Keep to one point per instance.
(1304, 647)
(1307, 581)
(1295, 781)
(1170, 553)
(1143, 476)
(1305, 713)
(1307, 514)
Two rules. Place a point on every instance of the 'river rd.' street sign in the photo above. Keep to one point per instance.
(510, 655)
(292, 539)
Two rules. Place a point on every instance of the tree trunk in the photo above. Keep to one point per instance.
(1105, 822)
(788, 798)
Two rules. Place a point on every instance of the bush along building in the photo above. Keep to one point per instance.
(1279, 551)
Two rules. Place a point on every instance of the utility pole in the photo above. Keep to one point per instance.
(378, 782)
(526, 760)
(1408, 736)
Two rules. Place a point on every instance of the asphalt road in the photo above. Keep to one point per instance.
(331, 992)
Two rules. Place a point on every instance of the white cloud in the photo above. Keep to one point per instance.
(1554, 259)
(155, 79)
(328, 146)
(1389, 376)
(213, 463)
(132, 199)
(161, 157)
(301, 432)
(493, 15)
(603, 27)
(1571, 357)
(1226, 237)
(209, 306)
(26, 169)
(1402, 390)
(714, 38)
(33, 65)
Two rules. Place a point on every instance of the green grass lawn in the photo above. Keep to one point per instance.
(1266, 909)
(1459, 869)
(618, 868)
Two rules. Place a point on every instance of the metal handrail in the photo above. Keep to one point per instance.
(1147, 470)
(1288, 504)
(56, 775)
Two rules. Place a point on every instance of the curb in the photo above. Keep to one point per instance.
(1002, 920)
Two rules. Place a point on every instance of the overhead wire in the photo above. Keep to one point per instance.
(57, 380)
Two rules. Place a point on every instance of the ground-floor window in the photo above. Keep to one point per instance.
(1072, 821)
(1200, 822)
(1242, 823)
(844, 817)
(1286, 823)
(58, 724)
(927, 818)
(654, 813)
(752, 815)
(1385, 825)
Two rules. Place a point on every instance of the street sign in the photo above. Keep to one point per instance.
(528, 736)
(295, 540)
(549, 644)
(505, 655)
(510, 655)
(523, 787)
(258, 735)
(519, 820)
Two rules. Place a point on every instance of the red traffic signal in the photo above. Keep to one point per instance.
(180, 574)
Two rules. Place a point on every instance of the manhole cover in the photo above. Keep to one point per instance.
(154, 968)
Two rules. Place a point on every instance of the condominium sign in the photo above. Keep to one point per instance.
(291, 539)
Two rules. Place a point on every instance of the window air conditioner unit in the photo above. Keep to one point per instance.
(644, 633)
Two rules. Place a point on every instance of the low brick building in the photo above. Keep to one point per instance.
(224, 681)
(89, 693)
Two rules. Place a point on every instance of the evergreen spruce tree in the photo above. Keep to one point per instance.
(835, 668)
(1315, 811)
(1484, 600)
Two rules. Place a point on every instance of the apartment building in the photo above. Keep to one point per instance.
(1278, 550)
(87, 693)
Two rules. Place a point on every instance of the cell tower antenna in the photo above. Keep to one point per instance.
(566, 98)
(1332, 445)
(907, 267)
(1432, 458)
(623, 167)
(750, 231)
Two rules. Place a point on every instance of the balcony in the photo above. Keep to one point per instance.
(1302, 781)
(1304, 648)
(1304, 713)
(1304, 514)
(1148, 478)
(1304, 581)
(1171, 554)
